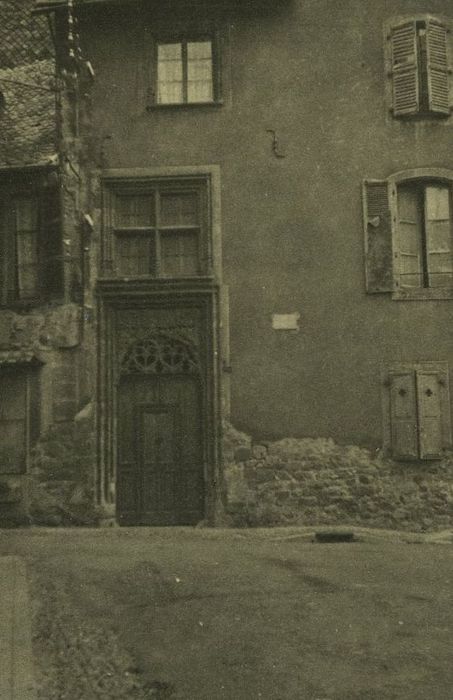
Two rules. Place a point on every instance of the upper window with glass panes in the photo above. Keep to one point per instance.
(160, 229)
(186, 71)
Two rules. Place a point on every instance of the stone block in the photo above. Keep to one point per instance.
(63, 326)
(242, 454)
(259, 451)
(10, 491)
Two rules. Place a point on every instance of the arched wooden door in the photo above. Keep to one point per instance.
(160, 477)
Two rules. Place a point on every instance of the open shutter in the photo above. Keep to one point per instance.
(405, 79)
(50, 243)
(429, 414)
(437, 66)
(439, 239)
(409, 238)
(378, 236)
(403, 415)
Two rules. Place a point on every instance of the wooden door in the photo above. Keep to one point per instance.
(160, 457)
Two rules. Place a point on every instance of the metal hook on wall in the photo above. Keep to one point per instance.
(275, 145)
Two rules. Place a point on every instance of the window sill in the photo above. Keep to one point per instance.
(422, 116)
(431, 294)
(184, 105)
(22, 305)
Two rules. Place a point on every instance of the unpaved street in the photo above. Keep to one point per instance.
(207, 614)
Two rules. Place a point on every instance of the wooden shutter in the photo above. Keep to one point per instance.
(50, 243)
(429, 414)
(405, 67)
(437, 68)
(438, 228)
(378, 236)
(403, 415)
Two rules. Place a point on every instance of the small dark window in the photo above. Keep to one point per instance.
(160, 232)
(186, 71)
(420, 68)
(30, 260)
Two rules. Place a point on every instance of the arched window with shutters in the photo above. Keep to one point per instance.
(419, 61)
(408, 224)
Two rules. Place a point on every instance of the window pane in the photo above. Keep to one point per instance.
(437, 203)
(12, 424)
(135, 255)
(179, 253)
(169, 74)
(439, 237)
(410, 237)
(134, 211)
(199, 72)
(26, 215)
(179, 209)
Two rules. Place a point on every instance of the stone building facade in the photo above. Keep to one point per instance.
(254, 230)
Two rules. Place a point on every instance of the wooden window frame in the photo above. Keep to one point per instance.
(31, 186)
(184, 39)
(155, 187)
(441, 370)
(31, 411)
(424, 73)
(380, 216)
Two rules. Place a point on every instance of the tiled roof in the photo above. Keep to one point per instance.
(24, 37)
(27, 112)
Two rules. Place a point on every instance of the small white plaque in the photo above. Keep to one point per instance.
(285, 322)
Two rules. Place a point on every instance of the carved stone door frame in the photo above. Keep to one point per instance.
(126, 310)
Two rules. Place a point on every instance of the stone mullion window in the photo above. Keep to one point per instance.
(160, 229)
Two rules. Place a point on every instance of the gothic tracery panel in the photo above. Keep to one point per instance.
(160, 354)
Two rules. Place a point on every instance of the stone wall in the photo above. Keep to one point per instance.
(62, 473)
(316, 481)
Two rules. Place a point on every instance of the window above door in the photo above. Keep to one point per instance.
(158, 229)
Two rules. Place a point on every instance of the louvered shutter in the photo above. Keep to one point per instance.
(378, 236)
(50, 243)
(403, 415)
(409, 239)
(429, 414)
(437, 67)
(405, 67)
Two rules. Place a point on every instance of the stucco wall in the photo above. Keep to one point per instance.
(292, 231)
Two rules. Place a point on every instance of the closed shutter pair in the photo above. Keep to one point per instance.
(416, 416)
(419, 70)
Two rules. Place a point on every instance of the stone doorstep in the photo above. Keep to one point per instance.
(16, 657)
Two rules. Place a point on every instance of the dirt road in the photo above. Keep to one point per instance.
(205, 615)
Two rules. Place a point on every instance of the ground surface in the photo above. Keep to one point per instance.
(209, 614)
